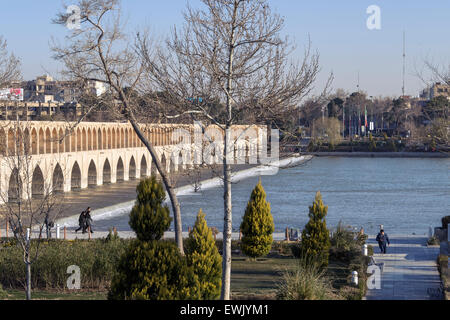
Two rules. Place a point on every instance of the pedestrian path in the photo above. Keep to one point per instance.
(410, 270)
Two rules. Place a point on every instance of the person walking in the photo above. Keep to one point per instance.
(382, 239)
(88, 223)
(81, 222)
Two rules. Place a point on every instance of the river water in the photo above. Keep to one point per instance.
(407, 196)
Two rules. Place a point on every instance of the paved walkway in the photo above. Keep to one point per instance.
(410, 270)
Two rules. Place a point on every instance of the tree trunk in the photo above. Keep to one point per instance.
(28, 285)
(227, 226)
(167, 183)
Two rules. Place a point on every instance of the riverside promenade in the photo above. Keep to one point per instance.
(410, 270)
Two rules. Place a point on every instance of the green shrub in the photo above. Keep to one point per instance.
(257, 225)
(306, 282)
(433, 241)
(97, 260)
(315, 236)
(343, 237)
(153, 270)
(204, 258)
(149, 218)
(3, 293)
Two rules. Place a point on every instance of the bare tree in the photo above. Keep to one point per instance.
(9, 64)
(229, 52)
(100, 51)
(29, 201)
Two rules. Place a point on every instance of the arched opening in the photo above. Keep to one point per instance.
(180, 161)
(143, 167)
(100, 140)
(34, 142)
(26, 142)
(94, 139)
(84, 139)
(75, 178)
(154, 170)
(104, 139)
(15, 186)
(59, 142)
(58, 180)
(37, 184)
(92, 174)
(2, 142)
(79, 140)
(119, 138)
(164, 162)
(67, 141)
(120, 174)
(11, 142)
(114, 145)
(55, 142)
(73, 142)
(109, 139)
(48, 141)
(132, 169)
(173, 165)
(126, 138)
(106, 172)
(89, 140)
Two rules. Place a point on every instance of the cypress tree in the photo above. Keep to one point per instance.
(152, 269)
(149, 218)
(257, 225)
(204, 258)
(316, 237)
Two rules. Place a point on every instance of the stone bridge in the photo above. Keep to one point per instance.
(46, 157)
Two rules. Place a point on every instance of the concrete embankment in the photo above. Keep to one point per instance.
(381, 154)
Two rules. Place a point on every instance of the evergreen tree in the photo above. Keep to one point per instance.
(257, 225)
(204, 258)
(151, 268)
(149, 218)
(316, 237)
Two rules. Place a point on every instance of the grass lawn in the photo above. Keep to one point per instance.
(258, 279)
(54, 295)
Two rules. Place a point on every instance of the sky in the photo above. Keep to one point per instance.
(337, 29)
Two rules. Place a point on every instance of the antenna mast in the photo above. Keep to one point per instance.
(404, 63)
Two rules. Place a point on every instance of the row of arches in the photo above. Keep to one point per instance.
(40, 187)
(46, 141)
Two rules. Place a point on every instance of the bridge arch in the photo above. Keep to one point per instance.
(92, 174)
(120, 175)
(75, 177)
(143, 167)
(15, 186)
(106, 172)
(132, 169)
(58, 179)
(37, 183)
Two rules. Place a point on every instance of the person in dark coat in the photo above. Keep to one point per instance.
(82, 222)
(88, 223)
(382, 240)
